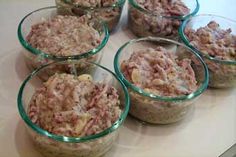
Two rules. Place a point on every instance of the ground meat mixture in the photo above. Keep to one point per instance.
(74, 106)
(106, 10)
(93, 3)
(143, 24)
(159, 72)
(165, 7)
(214, 41)
(64, 36)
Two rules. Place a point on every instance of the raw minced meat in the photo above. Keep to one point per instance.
(64, 36)
(214, 41)
(159, 72)
(74, 106)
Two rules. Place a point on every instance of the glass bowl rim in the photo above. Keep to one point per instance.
(184, 38)
(66, 139)
(118, 3)
(137, 6)
(140, 91)
(35, 51)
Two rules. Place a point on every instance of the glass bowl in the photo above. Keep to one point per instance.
(110, 13)
(51, 145)
(222, 73)
(152, 108)
(34, 58)
(143, 22)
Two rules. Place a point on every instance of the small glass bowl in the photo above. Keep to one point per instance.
(110, 14)
(222, 73)
(156, 109)
(51, 145)
(143, 22)
(34, 58)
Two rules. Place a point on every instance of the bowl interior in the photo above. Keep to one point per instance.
(48, 13)
(99, 74)
(193, 5)
(178, 49)
(202, 21)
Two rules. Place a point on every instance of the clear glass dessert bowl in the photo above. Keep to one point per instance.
(54, 145)
(144, 22)
(109, 12)
(35, 57)
(222, 71)
(151, 107)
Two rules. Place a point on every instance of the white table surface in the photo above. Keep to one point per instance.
(208, 132)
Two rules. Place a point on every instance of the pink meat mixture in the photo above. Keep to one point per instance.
(64, 36)
(214, 41)
(159, 72)
(66, 105)
(93, 3)
(166, 7)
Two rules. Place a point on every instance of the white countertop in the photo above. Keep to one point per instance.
(208, 132)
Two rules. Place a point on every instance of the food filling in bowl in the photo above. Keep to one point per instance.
(165, 7)
(159, 72)
(74, 106)
(143, 24)
(106, 10)
(213, 41)
(64, 36)
(218, 46)
(93, 3)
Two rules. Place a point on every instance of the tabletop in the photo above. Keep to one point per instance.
(207, 132)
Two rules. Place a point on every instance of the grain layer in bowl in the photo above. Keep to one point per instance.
(73, 114)
(47, 37)
(107, 10)
(158, 17)
(161, 78)
(215, 39)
